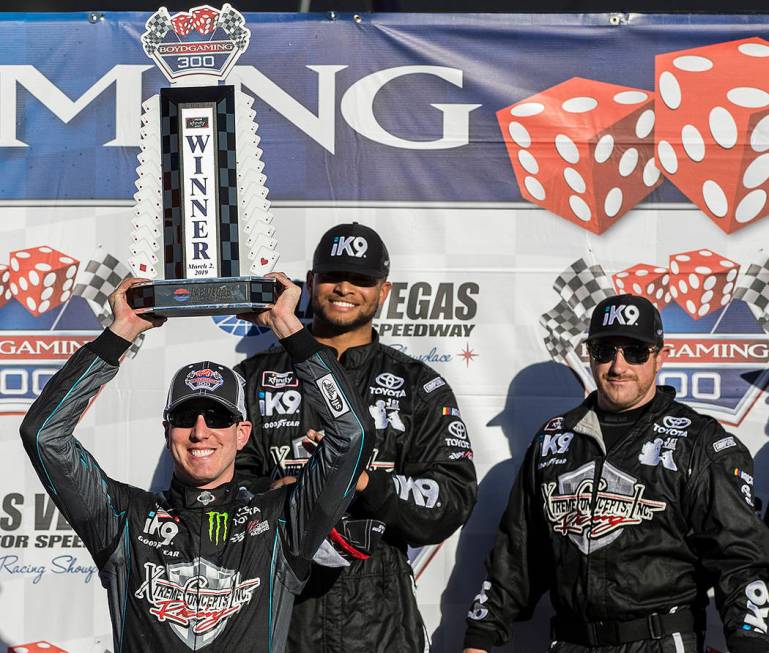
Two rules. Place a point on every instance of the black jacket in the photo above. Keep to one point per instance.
(421, 485)
(188, 569)
(672, 516)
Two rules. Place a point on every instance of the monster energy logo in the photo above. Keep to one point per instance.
(217, 525)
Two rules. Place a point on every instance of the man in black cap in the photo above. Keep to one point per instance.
(205, 563)
(419, 486)
(628, 509)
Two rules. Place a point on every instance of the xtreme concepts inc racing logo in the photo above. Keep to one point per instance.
(45, 317)
(714, 319)
(595, 522)
(195, 598)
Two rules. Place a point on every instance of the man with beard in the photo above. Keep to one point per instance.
(419, 486)
(628, 509)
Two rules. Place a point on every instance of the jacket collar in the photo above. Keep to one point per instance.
(186, 496)
(356, 357)
(583, 419)
(359, 356)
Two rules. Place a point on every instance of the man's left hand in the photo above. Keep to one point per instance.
(126, 322)
(311, 442)
(281, 316)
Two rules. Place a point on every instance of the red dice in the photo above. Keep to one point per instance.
(41, 278)
(583, 149)
(702, 281)
(712, 131)
(182, 23)
(5, 287)
(36, 647)
(650, 281)
(204, 19)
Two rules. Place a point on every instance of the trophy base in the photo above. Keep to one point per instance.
(194, 297)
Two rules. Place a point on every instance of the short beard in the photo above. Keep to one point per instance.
(338, 326)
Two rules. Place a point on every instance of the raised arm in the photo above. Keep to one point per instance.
(327, 482)
(90, 501)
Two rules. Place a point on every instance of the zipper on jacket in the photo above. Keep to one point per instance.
(593, 501)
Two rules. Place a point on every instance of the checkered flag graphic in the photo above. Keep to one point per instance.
(100, 278)
(233, 23)
(563, 330)
(157, 27)
(753, 289)
(582, 286)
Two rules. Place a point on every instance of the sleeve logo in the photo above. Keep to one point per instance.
(436, 383)
(757, 596)
(423, 491)
(724, 443)
(478, 611)
(331, 394)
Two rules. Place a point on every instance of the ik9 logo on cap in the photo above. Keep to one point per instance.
(349, 246)
(622, 313)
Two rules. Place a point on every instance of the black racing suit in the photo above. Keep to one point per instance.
(190, 569)
(421, 485)
(643, 529)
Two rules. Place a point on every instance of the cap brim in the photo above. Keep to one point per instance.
(614, 334)
(356, 269)
(208, 397)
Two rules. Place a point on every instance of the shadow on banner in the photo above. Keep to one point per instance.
(536, 393)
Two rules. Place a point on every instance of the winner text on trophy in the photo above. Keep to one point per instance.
(202, 229)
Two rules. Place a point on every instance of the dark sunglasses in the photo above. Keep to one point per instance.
(216, 418)
(633, 354)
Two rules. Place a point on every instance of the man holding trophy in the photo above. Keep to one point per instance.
(204, 561)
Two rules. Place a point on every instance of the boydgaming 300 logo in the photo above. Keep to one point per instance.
(203, 40)
(43, 321)
(718, 349)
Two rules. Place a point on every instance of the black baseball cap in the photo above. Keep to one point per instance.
(626, 316)
(207, 380)
(352, 247)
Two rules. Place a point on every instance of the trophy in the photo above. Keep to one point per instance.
(202, 226)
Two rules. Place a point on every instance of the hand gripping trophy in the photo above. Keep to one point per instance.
(202, 229)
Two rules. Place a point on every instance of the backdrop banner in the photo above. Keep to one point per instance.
(519, 168)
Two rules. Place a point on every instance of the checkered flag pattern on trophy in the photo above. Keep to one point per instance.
(753, 289)
(157, 28)
(233, 23)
